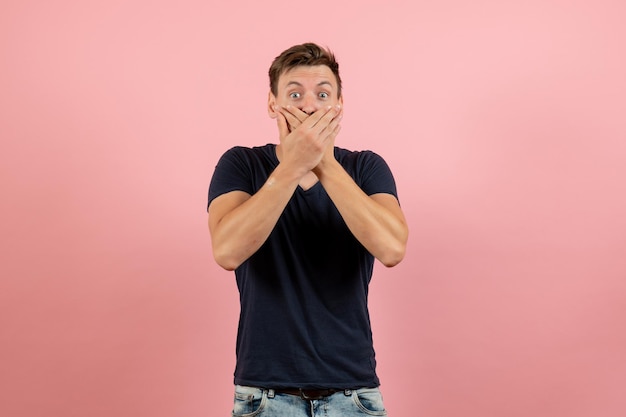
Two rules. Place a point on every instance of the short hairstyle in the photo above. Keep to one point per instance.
(308, 54)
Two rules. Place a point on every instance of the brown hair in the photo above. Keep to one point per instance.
(307, 54)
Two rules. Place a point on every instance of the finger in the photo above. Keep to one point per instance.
(333, 127)
(297, 113)
(294, 116)
(291, 118)
(328, 141)
(326, 118)
(283, 127)
(329, 121)
(315, 117)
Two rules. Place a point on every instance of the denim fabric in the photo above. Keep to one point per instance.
(258, 402)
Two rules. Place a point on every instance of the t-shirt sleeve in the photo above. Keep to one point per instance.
(232, 173)
(375, 175)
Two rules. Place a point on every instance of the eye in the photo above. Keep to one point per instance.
(294, 95)
(323, 95)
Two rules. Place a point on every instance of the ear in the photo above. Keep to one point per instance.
(271, 105)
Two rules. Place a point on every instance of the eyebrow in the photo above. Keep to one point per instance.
(300, 85)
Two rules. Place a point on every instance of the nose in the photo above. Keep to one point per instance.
(309, 104)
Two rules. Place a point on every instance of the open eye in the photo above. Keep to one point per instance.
(323, 95)
(294, 95)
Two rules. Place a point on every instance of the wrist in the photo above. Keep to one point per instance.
(326, 167)
(290, 172)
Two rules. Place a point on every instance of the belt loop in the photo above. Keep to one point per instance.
(347, 392)
(270, 393)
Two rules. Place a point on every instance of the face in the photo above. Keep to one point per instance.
(308, 88)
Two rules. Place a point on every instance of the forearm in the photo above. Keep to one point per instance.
(380, 228)
(240, 232)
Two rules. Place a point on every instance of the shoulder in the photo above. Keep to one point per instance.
(347, 153)
(242, 156)
(249, 152)
(242, 169)
(358, 159)
(368, 169)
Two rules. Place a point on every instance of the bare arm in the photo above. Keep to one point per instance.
(376, 221)
(239, 223)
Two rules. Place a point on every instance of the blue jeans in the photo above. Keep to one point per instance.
(258, 402)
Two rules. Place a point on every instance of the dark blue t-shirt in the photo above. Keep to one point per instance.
(304, 320)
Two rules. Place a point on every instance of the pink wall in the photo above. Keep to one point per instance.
(505, 127)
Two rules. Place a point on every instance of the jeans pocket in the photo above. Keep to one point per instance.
(248, 401)
(370, 401)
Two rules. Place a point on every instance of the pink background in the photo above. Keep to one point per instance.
(504, 123)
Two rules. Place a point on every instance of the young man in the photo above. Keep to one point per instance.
(300, 223)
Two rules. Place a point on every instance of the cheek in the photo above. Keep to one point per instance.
(282, 102)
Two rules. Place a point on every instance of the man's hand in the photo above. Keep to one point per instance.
(305, 139)
(294, 117)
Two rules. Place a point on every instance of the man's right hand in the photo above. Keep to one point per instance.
(294, 117)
